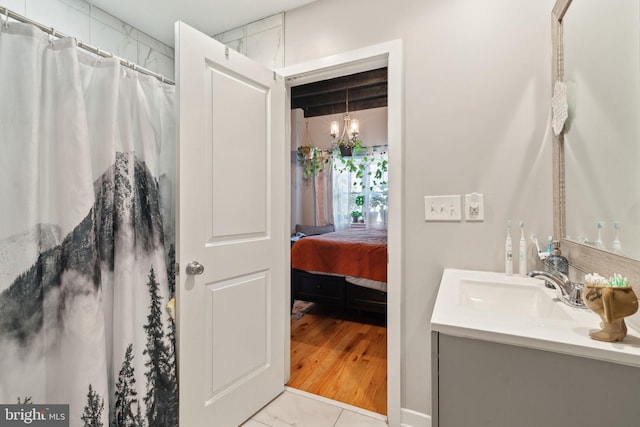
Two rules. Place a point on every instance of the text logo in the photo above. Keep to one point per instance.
(34, 415)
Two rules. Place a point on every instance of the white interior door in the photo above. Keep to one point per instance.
(230, 220)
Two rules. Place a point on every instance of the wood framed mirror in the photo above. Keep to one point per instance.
(583, 258)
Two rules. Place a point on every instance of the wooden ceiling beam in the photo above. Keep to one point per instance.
(325, 110)
(329, 98)
(341, 84)
(366, 90)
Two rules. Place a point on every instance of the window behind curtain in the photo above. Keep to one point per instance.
(347, 186)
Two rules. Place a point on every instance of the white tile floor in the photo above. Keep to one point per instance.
(294, 408)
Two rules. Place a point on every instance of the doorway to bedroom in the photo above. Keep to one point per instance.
(339, 211)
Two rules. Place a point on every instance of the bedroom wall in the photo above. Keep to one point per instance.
(373, 126)
(302, 194)
(476, 108)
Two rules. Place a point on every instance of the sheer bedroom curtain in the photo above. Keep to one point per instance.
(323, 188)
(346, 186)
(86, 181)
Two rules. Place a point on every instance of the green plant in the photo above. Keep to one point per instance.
(379, 199)
(312, 160)
(348, 148)
(353, 143)
(356, 214)
(360, 164)
(359, 200)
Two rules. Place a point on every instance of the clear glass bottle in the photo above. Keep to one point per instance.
(555, 262)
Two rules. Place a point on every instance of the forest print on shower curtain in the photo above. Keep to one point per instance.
(86, 234)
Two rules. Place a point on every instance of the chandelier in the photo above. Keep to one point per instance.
(351, 128)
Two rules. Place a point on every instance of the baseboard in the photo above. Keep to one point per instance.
(409, 418)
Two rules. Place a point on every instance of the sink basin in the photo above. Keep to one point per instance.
(528, 300)
(521, 311)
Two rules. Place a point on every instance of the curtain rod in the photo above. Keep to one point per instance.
(51, 31)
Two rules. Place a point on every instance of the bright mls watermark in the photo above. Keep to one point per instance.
(34, 415)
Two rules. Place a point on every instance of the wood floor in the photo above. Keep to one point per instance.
(335, 355)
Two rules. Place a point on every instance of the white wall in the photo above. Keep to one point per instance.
(80, 19)
(477, 100)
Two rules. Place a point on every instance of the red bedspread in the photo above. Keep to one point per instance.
(358, 253)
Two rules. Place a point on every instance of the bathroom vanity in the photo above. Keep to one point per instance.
(506, 352)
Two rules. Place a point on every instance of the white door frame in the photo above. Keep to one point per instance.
(388, 55)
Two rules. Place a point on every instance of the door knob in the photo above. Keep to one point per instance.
(194, 267)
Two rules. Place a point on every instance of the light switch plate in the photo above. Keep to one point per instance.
(442, 208)
(474, 207)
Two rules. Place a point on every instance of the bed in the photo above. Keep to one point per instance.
(343, 268)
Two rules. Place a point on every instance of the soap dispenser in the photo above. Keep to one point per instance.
(556, 263)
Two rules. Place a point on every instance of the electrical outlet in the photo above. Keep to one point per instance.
(442, 208)
(474, 207)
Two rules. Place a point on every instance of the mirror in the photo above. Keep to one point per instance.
(592, 182)
(602, 134)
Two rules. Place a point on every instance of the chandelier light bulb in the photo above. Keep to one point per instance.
(355, 128)
(335, 129)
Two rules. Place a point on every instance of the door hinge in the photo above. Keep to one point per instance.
(226, 52)
(274, 76)
(176, 268)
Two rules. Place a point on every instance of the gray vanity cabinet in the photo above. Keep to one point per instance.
(479, 383)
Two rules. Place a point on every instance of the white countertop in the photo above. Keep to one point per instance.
(566, 331)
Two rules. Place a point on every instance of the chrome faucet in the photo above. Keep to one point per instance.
(568, 292)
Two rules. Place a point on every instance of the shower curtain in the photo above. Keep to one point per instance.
(86, 234)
